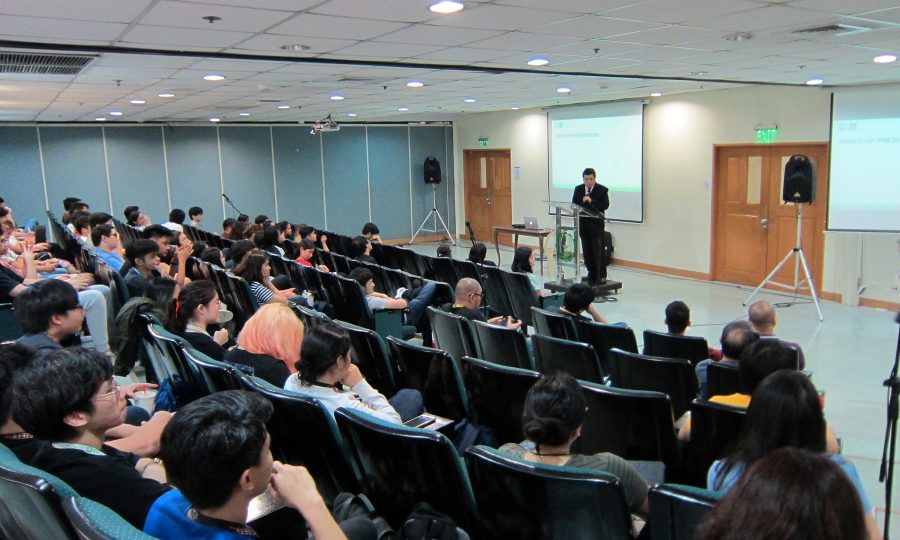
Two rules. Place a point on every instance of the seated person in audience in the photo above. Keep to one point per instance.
(106, 246)
(326, 373)
(415, 300)
(218, 458)
(736, 336)
(128, 210)
(268, 346)
(555, 410)
(361, 250)
(307, 249)
(239, 249)
(786, 412)
(262, 220)
(239, 230)
(255, 269)
(45, 268)
(678, 320)
(523, 261)
(94, 298)
(477, 254)
(269, 239)
(176, 220)
(468, 301)
(444, 250)
(213, 255)
(286, 232)
(143, 256)
(195, 213)
(371, 232)
(48, 312)
(70, 399)
(67, 204)
(251, 230)
(139, 220)
(579, 297)
(791, 493)
(101, 218)
(193, 311)
(762, 317)
(227, 226)
(243, 218)
(81, 226)
(155, 301)
(310, 233)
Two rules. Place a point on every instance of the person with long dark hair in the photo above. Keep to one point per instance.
(326, 373)
(193, 311)
(523, 262)
(257, 271)
(477, 254)
(554, 413)
(790, 493)
(785, 412)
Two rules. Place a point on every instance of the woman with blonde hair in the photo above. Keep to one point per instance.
(269, 344)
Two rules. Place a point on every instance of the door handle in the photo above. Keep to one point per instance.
(765, 224)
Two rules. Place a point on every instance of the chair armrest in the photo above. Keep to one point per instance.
(389, 322)
(551, 300)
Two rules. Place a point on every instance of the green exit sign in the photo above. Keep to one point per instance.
(766, 136)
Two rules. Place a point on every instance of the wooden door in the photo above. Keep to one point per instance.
(488, 185)
(753, 229)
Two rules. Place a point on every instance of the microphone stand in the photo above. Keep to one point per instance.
(231, 204)
(890, 437)
(471, 233)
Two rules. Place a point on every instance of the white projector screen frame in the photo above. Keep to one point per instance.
(613, 144)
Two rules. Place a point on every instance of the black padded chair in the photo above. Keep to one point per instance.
(434, 374)
(466, 269)
(722, 379)
(672, 376)
(310, 317)
(502, 345)
(370, 354)
(552, 324)
(401, 466)
(693, 348)
(496, 296)
(31, 501)
(497, 396)
(715, 428)
(10, 329)
(453, 333)
(676, 510)
(575, 358)
(632, 424)
(217, 375)
(605, 337)
(93, 521)
(304, 433)
(443, 270)
(524, 500)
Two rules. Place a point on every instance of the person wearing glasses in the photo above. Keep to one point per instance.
(106, 246)
(48, 312)
(468, 301)
(69, 400)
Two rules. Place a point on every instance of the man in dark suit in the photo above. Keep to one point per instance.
(594, 200)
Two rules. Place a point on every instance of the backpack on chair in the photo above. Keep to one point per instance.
(426, 523)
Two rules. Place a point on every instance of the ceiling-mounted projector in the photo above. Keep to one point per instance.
(325, 125)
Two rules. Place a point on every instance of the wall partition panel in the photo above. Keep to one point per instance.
(21, 180)
(137, 170)
(346, 185)
(446, 196)
(424, 142)
(192, 155)
(247, 169)
(298, 170)
(75, 166)
(389, 180)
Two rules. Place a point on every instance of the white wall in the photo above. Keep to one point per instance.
(679, 134)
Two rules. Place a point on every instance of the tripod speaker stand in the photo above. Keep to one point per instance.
(799, 260)
(437, 216)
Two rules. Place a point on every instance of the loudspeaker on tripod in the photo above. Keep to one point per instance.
(799, 180)
(432, 170)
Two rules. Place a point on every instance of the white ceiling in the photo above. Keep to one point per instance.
(640, 38)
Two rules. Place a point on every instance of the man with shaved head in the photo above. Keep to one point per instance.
(468, 300)
(762, 317)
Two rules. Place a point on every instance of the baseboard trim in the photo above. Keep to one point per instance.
(705, 276)
(832, 296)
(420, 238)
(879, 304)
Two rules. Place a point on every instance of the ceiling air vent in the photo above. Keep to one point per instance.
(44, 64)
(836, 28)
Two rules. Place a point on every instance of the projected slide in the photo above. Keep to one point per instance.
(608, 138)
(864, 191)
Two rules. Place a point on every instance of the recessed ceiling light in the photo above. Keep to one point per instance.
(514, 108)
(100, 119)
(403, 109)
(884, 59)
(137, 102)
(165, 95)
(470, 100)
(415, 84)
(538, 61)
(815, 81)
(336, 97)
(243, 114)
(563, 89)
(740, 36)
(446, 6)
(213, 78)
(214, 120)
(698, 73)
(295, 48)
(115, 113)
(351, 114)
(284, 106)
(656, 94)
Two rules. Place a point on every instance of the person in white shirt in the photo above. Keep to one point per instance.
(176, 219)
(196, 215)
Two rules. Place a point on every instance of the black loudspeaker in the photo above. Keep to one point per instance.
(432, 170)
(799, 180)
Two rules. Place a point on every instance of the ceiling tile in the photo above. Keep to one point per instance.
(463, 54)
(679, 11)
(524, 41)
(190, 15)
(82, 10)
(166, 37)
(591, 26)
(377, 49)
(491, 17)
(383, 10)
(283, 5)
(575, 6)
(60, 29)
(272, 43)
(307, 24)
(438, 35)
(759, 19)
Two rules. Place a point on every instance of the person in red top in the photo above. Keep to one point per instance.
(307, 249)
